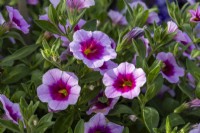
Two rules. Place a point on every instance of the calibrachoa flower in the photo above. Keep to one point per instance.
(125, 81)
(17, 21)
(99, 124)
(195, 15)
(12, 110)
(2, 20)
(194, 103)
(184, 39)
(117, 18)
(32, 2)
(106, 66)
(153, 17)
(134, 34)
(171, 27)
(99, 107)
(191, 80)
(196, 129)
(94, 48)
(170, 71)
(59, 89)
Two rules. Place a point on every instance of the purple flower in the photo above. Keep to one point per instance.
(153, 17)
(191, 80)
(12, 110)
(59, 89)
(165, 89)
(44, 17)
(194, 103)
(196, 129)
(55, 3)
(80, 4)
(192, 2)
(106, 66)
(184, 39)
(117, 18)
(136, 3)
(2, 20)
(195, 15)
(32, 2)
(134, 34)
(99, 124)
(171, 27)
(17, 21)
(170, 71)
(125, 81)
(93, 48)
(99, 107)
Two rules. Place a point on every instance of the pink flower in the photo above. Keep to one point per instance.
(99, 124)
(170, 71)
(117, 18)
(59, 89)
(12, 110)
(125, 81)
(195, 15)
(153, 17)
(171, 27)
(196, 129)
(93, 48)
(17, 21)
(106, 66)
(99, 107)
(32, 2)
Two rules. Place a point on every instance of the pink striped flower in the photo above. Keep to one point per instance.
(125, 81)
(12, 110)
(59, 89)
(195, 15)
(93, 48)
(99, 124)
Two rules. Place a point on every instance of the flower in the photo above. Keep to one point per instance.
(98, 124)
(117, 18)
(17, 21)
(80, 4)
(93, 48)
(195, 15)
(184, 39)
(194, 103)
(12, 110)
(165, 89)
(134, 34)
(106, 66)
(124, 80)
(59, 89)
(55, 3)
(191, 80)
(153, 17)
(171, 27)
(170, 71)
(32, 2)
(99, 107)
(196, 129)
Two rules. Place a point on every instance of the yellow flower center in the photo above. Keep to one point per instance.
(127, 83)
(63, 91)
(87, 51)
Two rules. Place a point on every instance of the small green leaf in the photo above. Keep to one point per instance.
(186, 89)
(126, 130)
(121, 109)
(195, 53)
(139, 47)
(154, 71)
(151, 118)
(168, 125)
(9, 125)
(79, 127)
(197, 90)
(52, 14)
(175, 120)
(15, 35)
(91, 77)
(47, 26)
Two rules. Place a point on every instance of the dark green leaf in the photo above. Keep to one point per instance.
(79, 127)
(154, 71)
(52, 14)
(126, 130)
(91, 77)
(9, 125)
(197, 90)
(121, 109)
(15, 35)
(90, 25)
(186, 89)
(151, 118)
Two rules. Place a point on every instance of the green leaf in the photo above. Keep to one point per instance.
(154, 88)
(151, 118)
(141, 18)
(52, 14)
(139, 47)
(154, 71)
(126, 130)
(14, 35)
(186, 89)
(197, 90)
(90, 25)
(63, 122)
(47, 26)
(193, 69)
(20, 54)
(121, 109)
(9, 125)
(79, 127)
(168, 125)
(150, 38)
(195, 53)
(175, 120)
(91, 77)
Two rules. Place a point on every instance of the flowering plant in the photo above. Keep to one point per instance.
(99, 66)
